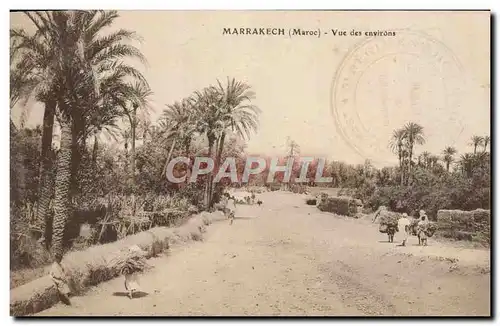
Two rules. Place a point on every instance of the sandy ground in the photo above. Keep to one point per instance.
(287, 258)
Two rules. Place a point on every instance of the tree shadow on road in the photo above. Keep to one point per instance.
(243, 218)
(137, 294)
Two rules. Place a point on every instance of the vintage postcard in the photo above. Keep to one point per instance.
(250, 163)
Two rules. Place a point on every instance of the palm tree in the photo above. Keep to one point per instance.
(237, 113)
(396, 144)
(109, 129)
(413, 135)
(73, 80)
(448, 158)
(139, 94)
(293, 148)
(208, 104)
(42, 55)
(476, 141)
(433, 160)
(179, 118)
(426, 159)
(33, 76)
(368, 169)
(76, 86)
(145, 126)
(466, 163)
(133, 99)
(115, 92)
(22, 84)
(486, 142)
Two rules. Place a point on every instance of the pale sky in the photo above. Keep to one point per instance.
(409, 78)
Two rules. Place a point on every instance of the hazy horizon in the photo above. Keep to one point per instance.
(292, 77)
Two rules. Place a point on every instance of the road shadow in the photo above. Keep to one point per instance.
(243, 218)
(64, 299)
(384, 241)
(137, 294)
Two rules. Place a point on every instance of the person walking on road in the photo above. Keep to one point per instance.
(378, 212)
(404, 226)
(422, 228)
(231, 208)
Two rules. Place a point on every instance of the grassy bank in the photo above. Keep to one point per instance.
(91, 266)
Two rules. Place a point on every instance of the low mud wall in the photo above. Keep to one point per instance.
(465, 225)
(91, 266)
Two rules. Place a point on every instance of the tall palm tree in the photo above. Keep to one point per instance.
(139, 94)
(125, 139)
(414, 135)
(74, 77)
(208, 104)
(115, 90)
(180, 121)
(425, 158)
(145, 126)
(466, 163)
(237, 112)
(77, 91)
(35, 70)
(108, 129)
(396, 144)
(448, 156)
(486, 142)
(42, 58)
(476, 141)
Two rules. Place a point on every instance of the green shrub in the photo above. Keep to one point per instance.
(465, 225)
(311, 201)
(338, 205)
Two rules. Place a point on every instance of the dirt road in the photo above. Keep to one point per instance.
(286, 258)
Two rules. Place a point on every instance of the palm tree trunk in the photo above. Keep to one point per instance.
(95, 149)
(14, 182)
(133, 126)
(132, 154)
(218, 158)
(144, 137)
(45, 187)
(169, 156)
(410, 156)
(447, 166)
(62, 197)
(401, 171)
(187, 146)
(76, 157)
(211, 141)
(125, 148)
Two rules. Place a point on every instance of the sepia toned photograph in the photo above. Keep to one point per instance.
(250, 163)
